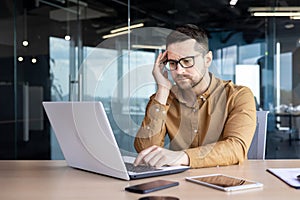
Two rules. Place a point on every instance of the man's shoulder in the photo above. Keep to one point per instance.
(232, 88)
(237, 87)
(239, 91)
(231, 85)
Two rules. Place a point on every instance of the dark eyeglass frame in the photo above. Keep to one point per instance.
(178, 61)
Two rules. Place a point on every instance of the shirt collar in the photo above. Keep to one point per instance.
(179, 93)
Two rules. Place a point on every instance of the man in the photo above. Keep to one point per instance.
(210, 122)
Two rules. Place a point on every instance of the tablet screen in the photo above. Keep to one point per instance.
(223, 181)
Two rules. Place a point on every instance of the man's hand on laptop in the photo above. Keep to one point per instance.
(158, 156)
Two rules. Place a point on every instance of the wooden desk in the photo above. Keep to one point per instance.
(43, 180)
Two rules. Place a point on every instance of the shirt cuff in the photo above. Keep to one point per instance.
(192, 155)
(198, 155)
(158, 110)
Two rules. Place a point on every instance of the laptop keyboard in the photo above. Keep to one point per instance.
(140, 168)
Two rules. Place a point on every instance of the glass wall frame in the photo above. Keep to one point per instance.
(66, 59)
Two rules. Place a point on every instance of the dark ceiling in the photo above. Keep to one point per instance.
(214, 15)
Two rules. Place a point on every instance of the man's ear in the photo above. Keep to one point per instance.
(208, 59)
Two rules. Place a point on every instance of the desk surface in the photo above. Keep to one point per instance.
(36, 180)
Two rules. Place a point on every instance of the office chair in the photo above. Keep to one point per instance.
(258, 145)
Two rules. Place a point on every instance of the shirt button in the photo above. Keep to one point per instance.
(148, 128)
(157, 109)
(195, 131)
(164, 112)
(194, 110)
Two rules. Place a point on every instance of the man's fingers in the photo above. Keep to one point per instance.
(159, 59)
(165, 74)
(153, 157)
(162, 57)
(161, 162)
(142, 154)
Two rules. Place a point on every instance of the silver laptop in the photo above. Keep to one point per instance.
(88, 143)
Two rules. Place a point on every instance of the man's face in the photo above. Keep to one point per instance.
(187, 78)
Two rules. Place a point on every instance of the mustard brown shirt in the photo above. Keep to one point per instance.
(217, 130)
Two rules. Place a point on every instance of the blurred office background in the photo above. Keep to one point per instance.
(63, 50)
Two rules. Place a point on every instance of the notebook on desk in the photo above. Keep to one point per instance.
(287, 175)
(88, 143)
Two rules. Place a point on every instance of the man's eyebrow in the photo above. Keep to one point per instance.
(181, 57)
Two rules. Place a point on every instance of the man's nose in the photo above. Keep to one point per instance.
(180, 69)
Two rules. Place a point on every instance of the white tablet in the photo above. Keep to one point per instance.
(224, 182)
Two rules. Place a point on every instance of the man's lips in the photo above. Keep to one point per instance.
(182, 78)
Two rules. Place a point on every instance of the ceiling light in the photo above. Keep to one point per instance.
(142, 46)
(298, 43)
(295, 17)
(274, 11)
(114, 34)
(67, 37)
(276, 14)
(20, 58)
(126, 28)
(172, 11)
(33, 60)
(289, 25)
(233, 2)
(25, 43)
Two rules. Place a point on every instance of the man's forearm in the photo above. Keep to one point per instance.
(162, 94)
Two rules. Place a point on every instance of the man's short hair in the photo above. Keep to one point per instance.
(189, 31)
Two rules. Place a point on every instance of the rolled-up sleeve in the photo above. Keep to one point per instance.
(153, 128)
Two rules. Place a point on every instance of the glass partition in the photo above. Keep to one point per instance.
(83, 50)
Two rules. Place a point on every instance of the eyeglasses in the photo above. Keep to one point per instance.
(186, 62)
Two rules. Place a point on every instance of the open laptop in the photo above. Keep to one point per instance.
(87, 140)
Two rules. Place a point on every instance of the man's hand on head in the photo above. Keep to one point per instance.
(161, 76)
(164, 85)
(157, 156)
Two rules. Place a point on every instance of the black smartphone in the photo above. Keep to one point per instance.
(151, 186)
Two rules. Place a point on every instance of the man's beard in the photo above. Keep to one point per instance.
(185, 82)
